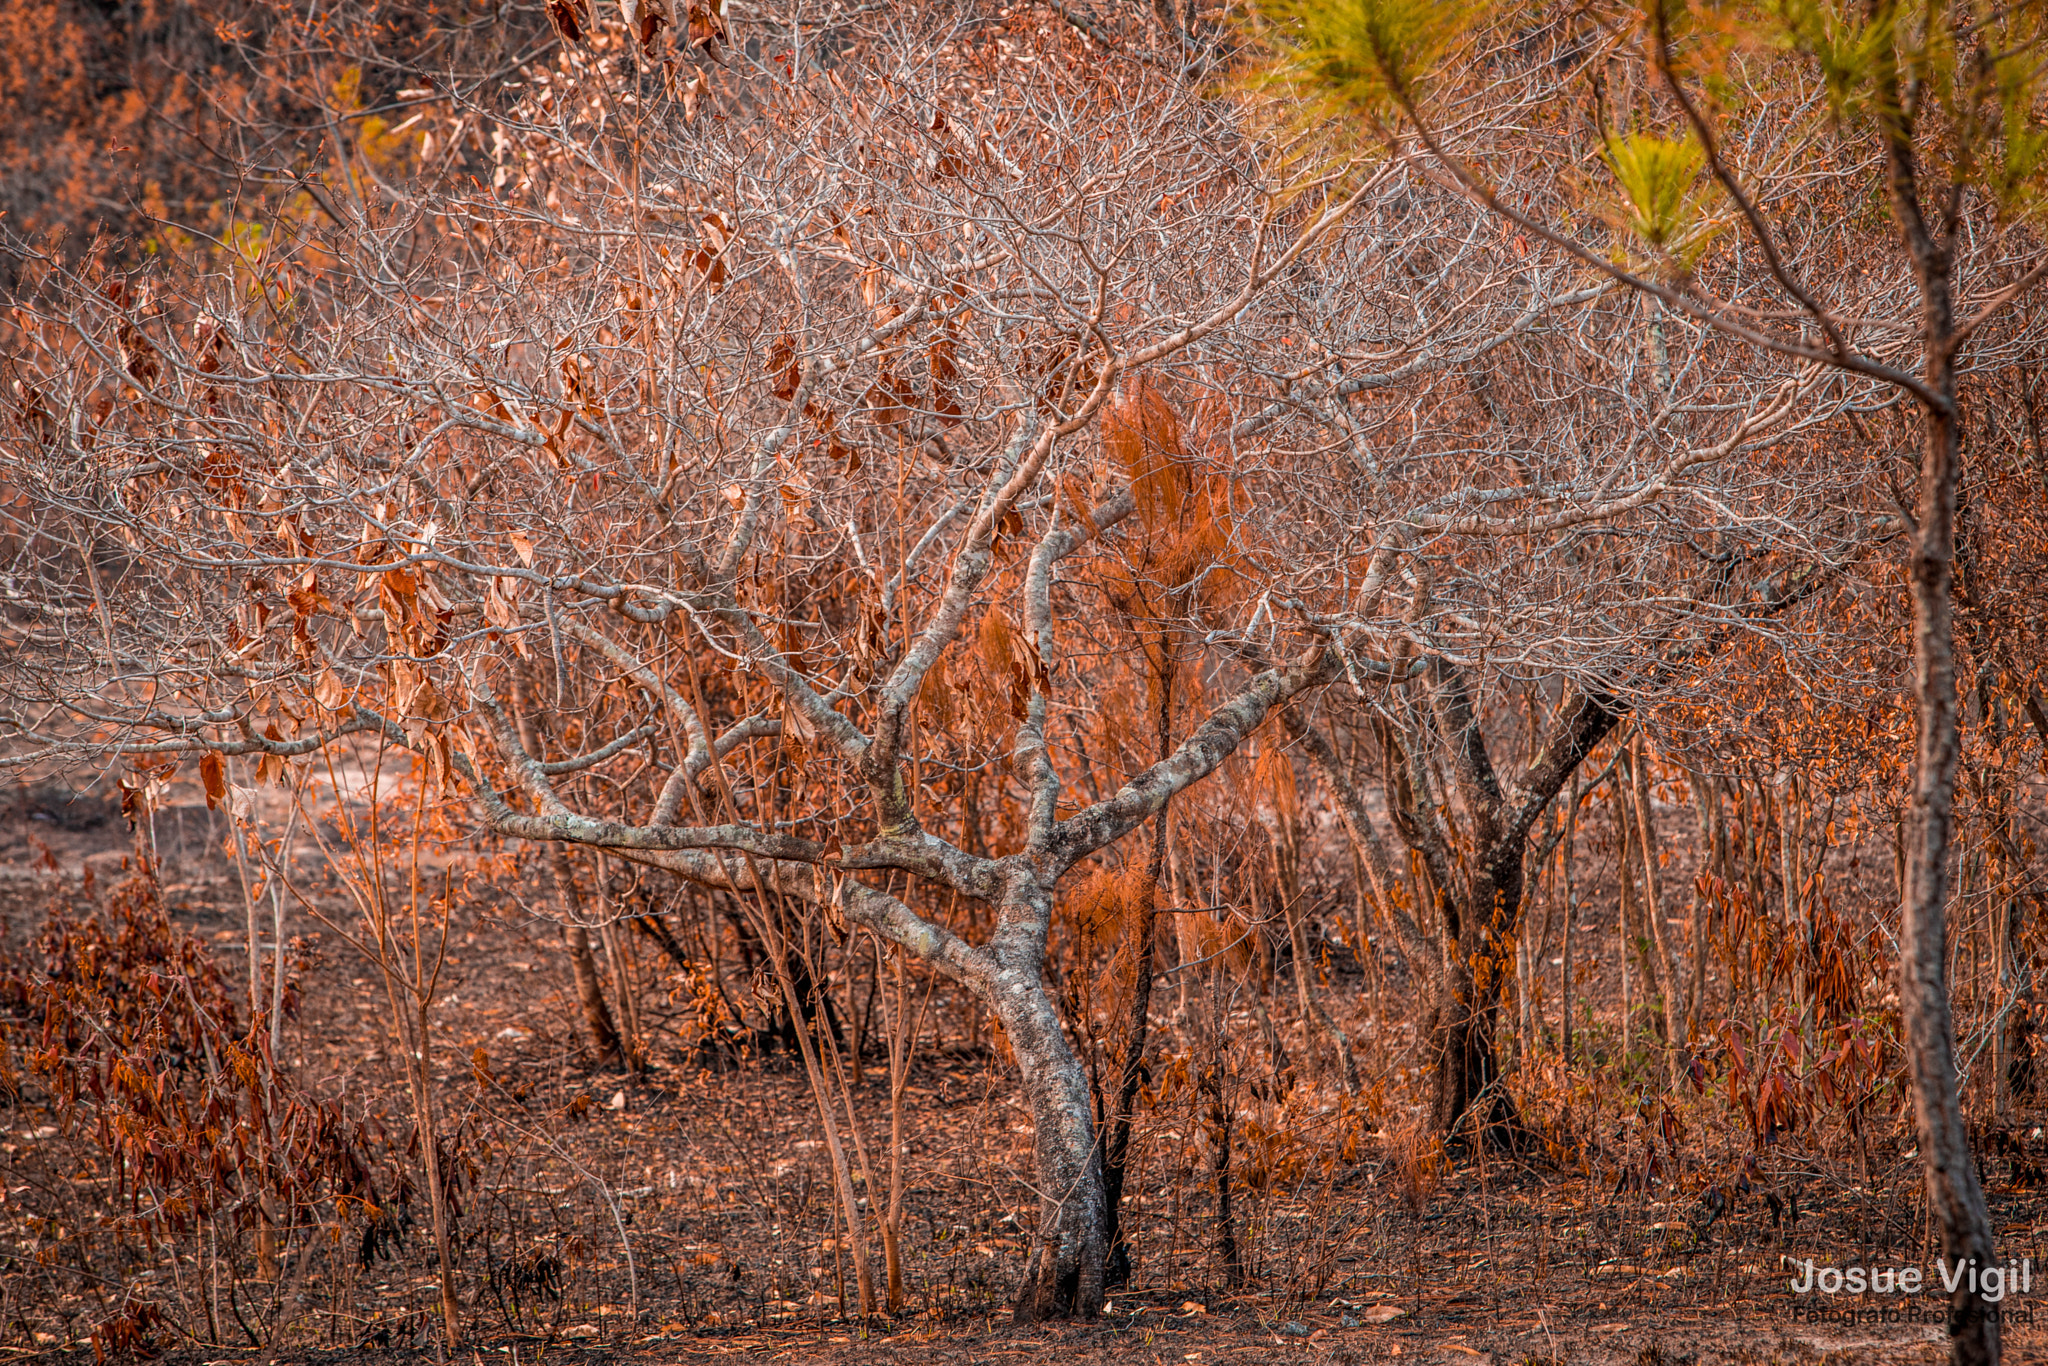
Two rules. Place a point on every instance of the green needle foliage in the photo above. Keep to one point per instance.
(1659, 181)
(1964, 82)
(1368, 56)
(1845, 46)
(1967, 82)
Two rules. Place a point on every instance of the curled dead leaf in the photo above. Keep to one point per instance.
(213, 775)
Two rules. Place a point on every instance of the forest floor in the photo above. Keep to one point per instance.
(685, 1214)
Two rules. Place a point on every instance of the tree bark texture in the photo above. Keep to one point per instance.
(1953, 1192)
(1954, 1197)
(1477, 890)
(1064, 1274)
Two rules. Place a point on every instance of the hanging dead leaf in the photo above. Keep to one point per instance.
(935, 702)
(270, 768)
(569, 18)
(785, 377)
(799, 731)
(329, 691)
(707, 27)
(645, 19)
(796, 507)
(213, 776)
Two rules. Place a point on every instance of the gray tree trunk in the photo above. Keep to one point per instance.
(1064, 1272)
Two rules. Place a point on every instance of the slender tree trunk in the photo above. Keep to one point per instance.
(1708, 806)
(1117, 1148)
(1798, 916)
(597, 1014)
(1220, 1120)
(1568, 840)
(1526, 1022)
(902, 1029)
(2015, 1061)
(837, 1074)
(1671, 981)
(1571, 915)
(575, 937)
(1954, 1196)
(842, 1176)
(437, 1198)
(1624, 897)
(1138, 1018)
(1216, 1086)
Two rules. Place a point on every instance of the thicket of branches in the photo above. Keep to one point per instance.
(1302, 511)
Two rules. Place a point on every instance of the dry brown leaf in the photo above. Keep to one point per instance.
(213, 774)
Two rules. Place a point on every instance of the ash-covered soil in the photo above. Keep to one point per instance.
(686, 1213)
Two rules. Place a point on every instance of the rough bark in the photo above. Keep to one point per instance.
(1064, 1273)
(1467, 1012)
(1952, 1188)
(1479, 899)
(1954, 1197)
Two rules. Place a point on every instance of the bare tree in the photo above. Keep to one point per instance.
(714, 486)
(741, 423)
(1934, 117)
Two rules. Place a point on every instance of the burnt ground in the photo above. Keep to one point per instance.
(686, 1214)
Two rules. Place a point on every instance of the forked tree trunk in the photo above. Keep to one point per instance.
(1063, 1276)
(1479, 897)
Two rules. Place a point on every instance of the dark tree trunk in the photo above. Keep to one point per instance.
(1468, 1101)
(1952, 1188)
(1954, 1197)
(1117, 1147)
(1216, 1088)
(1479, 897)
(597, 1014)
(604, 1034)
